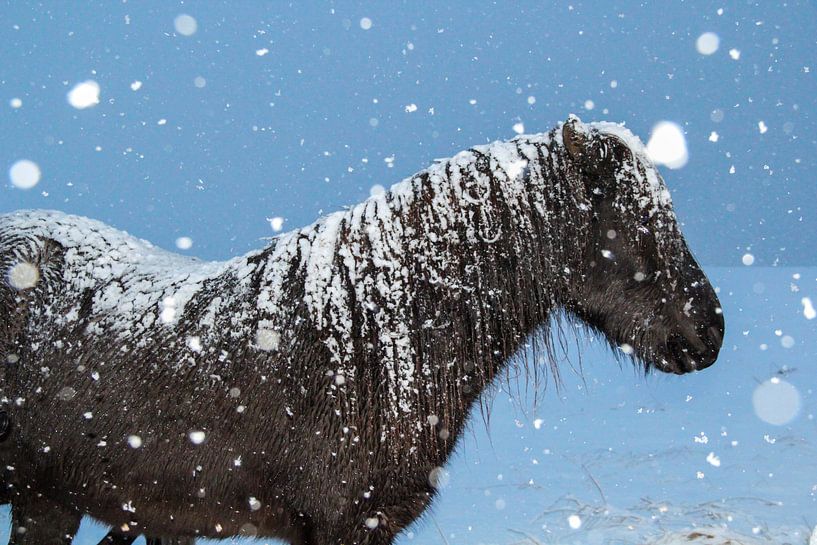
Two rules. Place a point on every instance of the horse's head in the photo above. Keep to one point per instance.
(641, 287)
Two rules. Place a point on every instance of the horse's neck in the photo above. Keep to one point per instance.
(450, 274)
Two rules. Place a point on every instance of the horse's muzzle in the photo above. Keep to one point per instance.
(696, 353)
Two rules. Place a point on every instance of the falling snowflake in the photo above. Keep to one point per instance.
(84, 95)
(667, 145)
(186, 25)
(707, 43)
(24, 174)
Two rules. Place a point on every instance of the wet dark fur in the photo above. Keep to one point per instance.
(319, 477)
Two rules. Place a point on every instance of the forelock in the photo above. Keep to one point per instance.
(642, 177)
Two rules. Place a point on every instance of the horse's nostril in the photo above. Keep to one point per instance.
(714, 342)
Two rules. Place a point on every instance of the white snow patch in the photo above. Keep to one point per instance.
(194, 344)
(167, 313)
(197, 437)
(709, 535)
(515, 168)
(267, 339)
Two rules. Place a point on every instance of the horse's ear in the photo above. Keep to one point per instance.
(590, 152)
(576, 140)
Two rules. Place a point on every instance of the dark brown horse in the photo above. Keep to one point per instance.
(312, 390)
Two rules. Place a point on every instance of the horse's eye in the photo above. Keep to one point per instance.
(645, 218)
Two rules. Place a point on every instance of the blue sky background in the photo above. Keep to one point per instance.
(320, 118)
(290, 133)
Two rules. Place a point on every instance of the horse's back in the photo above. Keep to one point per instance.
(65, 261)
(92, 249)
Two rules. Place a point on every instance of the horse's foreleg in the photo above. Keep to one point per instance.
(39, 521)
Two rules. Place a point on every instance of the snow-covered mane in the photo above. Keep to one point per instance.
(355, 274)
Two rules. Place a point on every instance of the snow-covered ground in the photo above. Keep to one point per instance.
(616, 458)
